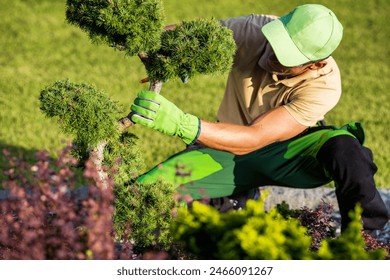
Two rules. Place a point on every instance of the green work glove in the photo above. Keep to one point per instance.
(154, 111)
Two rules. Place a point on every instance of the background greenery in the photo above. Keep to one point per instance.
(39, 47)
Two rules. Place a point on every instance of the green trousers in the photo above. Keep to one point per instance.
(205, 172)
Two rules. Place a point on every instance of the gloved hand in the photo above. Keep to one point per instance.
(154, 111)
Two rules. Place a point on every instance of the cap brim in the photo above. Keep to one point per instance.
(285, 50)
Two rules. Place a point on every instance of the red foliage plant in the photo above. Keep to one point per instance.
(43, 215)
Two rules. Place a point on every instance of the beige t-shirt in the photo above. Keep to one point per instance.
(251, 91)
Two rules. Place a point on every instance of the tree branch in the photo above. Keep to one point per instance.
(125, 123)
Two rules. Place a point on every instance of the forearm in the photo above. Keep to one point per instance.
(236, 139)
(273, 126)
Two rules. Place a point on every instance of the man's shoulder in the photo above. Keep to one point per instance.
(247, 32)
(248, 21)
(331, 73)
(331, 64)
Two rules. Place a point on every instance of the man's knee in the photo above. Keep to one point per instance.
(344, 153)
(352, 168)
(341, 145)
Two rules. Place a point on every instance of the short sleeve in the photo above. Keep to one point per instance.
(309, 102)
(308, 108)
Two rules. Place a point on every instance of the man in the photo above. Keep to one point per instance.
(282, 83)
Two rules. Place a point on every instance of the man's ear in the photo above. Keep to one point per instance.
(318, 65)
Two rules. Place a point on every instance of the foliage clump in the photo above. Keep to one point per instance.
(83, 111)
(149, 210)
(124, 157)
(201, 46)
(132, 26)
(372, 243)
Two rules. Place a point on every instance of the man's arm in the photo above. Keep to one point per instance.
(155, 111)
(273, 126)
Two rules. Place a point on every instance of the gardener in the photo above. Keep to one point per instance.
(282, 83)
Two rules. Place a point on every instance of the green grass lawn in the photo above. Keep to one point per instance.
(39, 47)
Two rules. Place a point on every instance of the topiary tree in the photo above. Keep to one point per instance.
(96, 123)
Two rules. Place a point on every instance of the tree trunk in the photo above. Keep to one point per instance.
(97, 153)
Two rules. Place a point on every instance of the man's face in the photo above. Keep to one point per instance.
(272, 65)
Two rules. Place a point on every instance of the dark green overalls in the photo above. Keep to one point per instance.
(204, 172)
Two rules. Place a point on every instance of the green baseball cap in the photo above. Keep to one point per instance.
(310, 32)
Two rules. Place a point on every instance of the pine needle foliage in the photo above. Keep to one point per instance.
(149, 209)
(200, 46)
(83, 111)
(132, 26)
(124, 157)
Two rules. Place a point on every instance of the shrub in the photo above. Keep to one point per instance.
(247, 234)
(255, 234)
(90, 117)
(44, 218)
